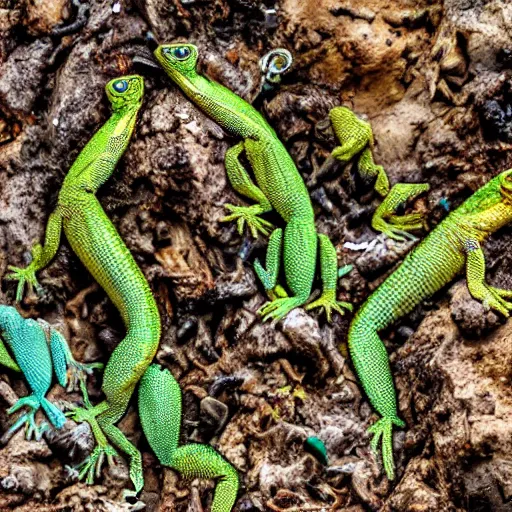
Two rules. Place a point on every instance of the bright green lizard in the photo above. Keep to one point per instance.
(160, 416)
(38, 350)
(453, 244)
(94, 239)
(279, 186)
(356, 138)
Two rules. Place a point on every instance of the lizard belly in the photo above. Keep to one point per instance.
(96, 242)
(278, 178)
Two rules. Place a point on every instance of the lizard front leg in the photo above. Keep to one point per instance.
(329, 271)
(490, 296)
(398, 226)
(41, 256)
(64, 362)
(242, 183)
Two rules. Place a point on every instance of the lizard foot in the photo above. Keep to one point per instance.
(384, 428)
(397, 227)
(90, 468)
(278, 292)
(249, 214)
(78, 372)
(495, 299)
(279, 308)
(28, 420)
(23, 275)
(27, 274)
(327, 301)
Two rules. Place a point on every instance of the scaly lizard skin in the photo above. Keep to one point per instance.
(442, 255)
(356, 138)
(160, 416)
(35, 346)
(95, 240)
(280, 186)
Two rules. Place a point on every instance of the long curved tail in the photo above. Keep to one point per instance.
(371, 362)
(202, 461)
(160, 416)
(160, 411)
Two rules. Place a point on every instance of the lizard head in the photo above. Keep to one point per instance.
(125, 91)
(179, 60)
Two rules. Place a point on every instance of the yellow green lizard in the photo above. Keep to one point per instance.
(160, 416)
(38, 350)
(279, 186)
(356, 139)
(453, 245)
(94, 239)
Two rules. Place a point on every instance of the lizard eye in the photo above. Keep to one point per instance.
(181, 53)
(120, 85)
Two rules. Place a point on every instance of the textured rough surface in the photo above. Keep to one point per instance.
(434, 80)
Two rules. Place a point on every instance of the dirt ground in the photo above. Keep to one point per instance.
(434, 80)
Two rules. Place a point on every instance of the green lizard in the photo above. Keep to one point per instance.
(94, 239)
(356, 138)
(35, 346)
(160, 416)
(453, 244)
(279, 186)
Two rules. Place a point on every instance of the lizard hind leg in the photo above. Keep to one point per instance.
(268, 276)
(398, 226)
(368, 170)
(90, 468)
(329, 271)
(299, 256)
(160, 415)
(64, 363)
(202, 461)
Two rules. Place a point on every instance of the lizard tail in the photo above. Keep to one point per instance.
(202, 461)
(160, 411)
(55, 415)
(372, 366)
(371, 362)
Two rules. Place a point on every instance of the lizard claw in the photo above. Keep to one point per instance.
(383, 428)
(90, 468)
(27, 274)
(78, 373)
(328, 302)
(23, 275)
(279, 308)
(249, 215)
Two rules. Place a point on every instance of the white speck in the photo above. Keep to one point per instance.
(116, 8)
(192, 127)
(356, 247)
(182, 115)
(55, 122)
